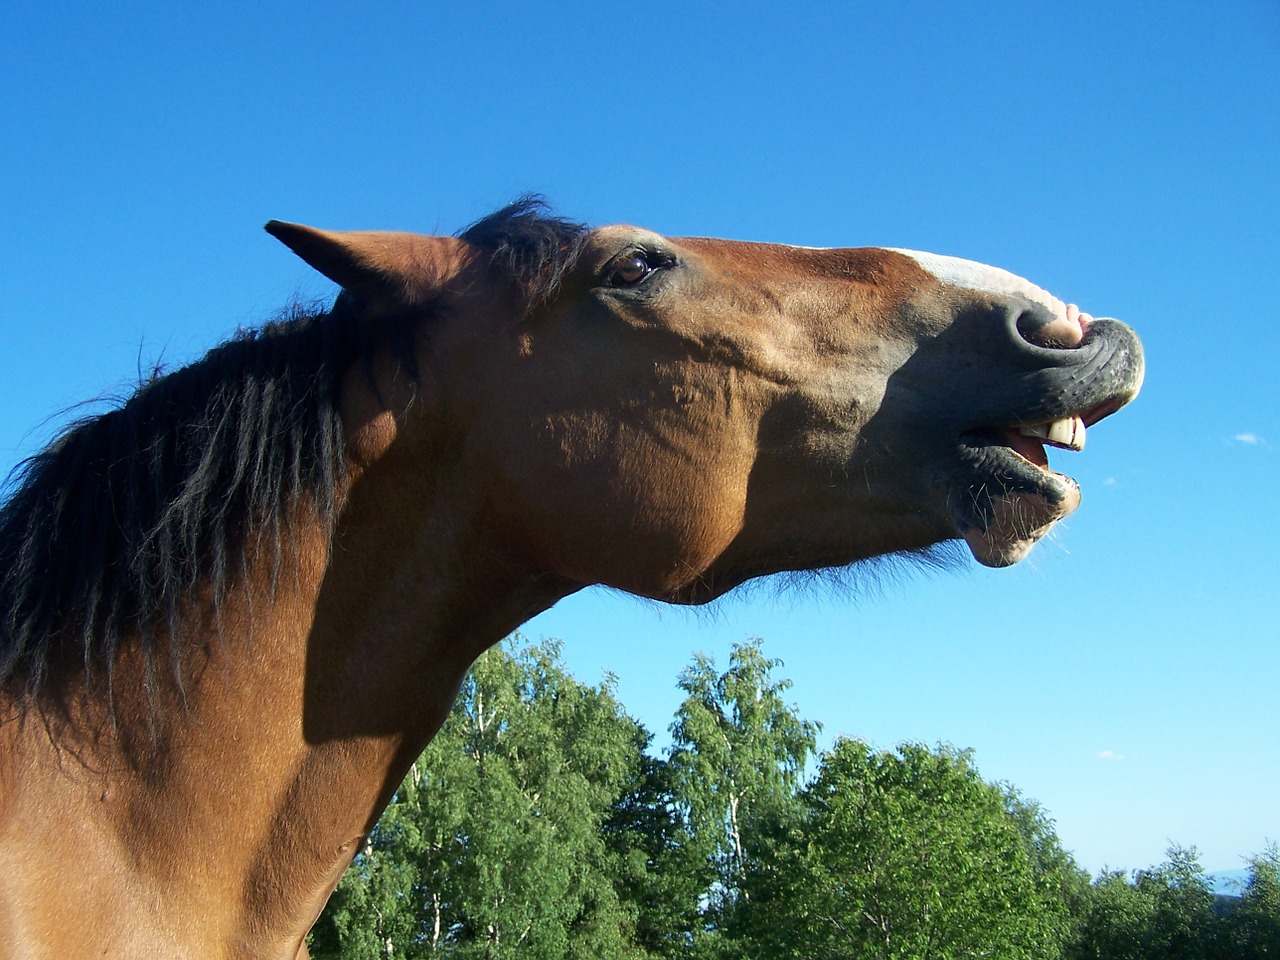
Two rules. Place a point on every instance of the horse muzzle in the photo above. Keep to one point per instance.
(1002, 495)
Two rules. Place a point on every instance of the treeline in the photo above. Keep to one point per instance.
(538, 825)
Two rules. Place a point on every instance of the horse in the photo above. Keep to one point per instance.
(235, 608)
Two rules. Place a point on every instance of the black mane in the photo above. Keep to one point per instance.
(130, 514)
(534, 248)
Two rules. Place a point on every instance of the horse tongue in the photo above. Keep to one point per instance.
(1027, 445)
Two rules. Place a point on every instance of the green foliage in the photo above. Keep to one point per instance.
(738, 750)
(1183, 924)
(1255, 923)
(912, 855)
(537, 824)
(1169, 911)
(661, 873)
(1117, 920)
(1058, 878)
(737, 756)
(493, 844)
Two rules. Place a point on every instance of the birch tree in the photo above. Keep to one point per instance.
(493, 846)
(738, 754)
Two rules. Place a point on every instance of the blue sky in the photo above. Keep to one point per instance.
(1122, 155)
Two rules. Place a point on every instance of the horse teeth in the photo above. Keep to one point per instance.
(1067, 433)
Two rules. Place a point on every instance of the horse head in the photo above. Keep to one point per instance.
(674, 416)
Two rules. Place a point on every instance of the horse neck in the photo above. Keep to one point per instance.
(304, 701)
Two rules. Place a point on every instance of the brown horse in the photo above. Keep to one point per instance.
(236, 608)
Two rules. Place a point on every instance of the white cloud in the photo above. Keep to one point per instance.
(1252, 439)
(1111, 755)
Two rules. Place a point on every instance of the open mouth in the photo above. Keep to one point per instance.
(1064, 433)
(1016, 497)
(1012, 498)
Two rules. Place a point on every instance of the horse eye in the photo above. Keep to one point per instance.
(630, 269)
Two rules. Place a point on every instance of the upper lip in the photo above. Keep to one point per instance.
(1079, 387)
(1067, 432)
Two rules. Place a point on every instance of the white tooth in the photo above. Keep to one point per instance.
(1067, 432)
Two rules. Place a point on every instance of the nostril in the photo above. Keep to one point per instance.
(1054, 329)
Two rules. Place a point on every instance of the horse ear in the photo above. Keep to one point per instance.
(375, 265)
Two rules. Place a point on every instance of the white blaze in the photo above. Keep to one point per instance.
(979, 276)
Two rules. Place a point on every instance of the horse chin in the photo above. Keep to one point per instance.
(1017, 523)
(1005, 511)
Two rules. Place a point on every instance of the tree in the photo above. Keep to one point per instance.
(1059, 879)
(1166, 913)
(908, 854)
(1183, 923)
(492, 846)
(660, 874)
(737, 756)
(1117, 920)
(1254, 925)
